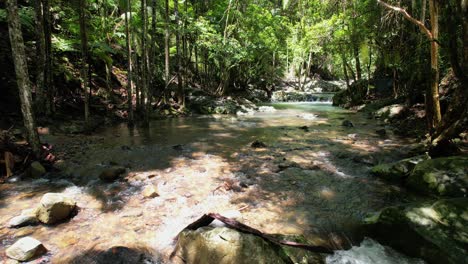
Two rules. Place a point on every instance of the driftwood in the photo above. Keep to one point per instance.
(207, 219)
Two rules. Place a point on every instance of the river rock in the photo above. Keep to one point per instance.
(25, 249)
(434, 231)
(258, 144)
(111, 174)
(27, 217)
(150, 191)
(347, 123)
(389, 111)
(399, 170)
(36, 170)
(224, 245)
(55, 207)
(442, 176)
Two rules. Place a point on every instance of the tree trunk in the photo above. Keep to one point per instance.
(166, 44)
(129, 66)
(48, 76)
(358, 61)
(434, 116)
(180, 87)
(84, 58)
(41, 57)
(144, 62)
(22, 76)
(345, 70)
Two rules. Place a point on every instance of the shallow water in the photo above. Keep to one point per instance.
(313, 181)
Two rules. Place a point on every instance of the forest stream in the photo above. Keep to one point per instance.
(311, 178)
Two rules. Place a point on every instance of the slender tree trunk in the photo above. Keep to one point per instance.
(22, 76)
(345, 70)
(41, 57)
(464, 15)
(433, 93)
(358, 61)
(144, 62)
(166, 44)
(84, 59)
(48, 74)
(180, 87)
(129, 66)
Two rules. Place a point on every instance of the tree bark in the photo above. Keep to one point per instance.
(180, 85)
(144, 62)
(41, 57)
(129, 66)
(84, 58)
(166, 44)
(48, 75)
(22, 75)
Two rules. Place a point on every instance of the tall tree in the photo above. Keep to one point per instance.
(85, 83)
(144, 62)
(41, 56)
(129, 63)
(180, 87)
(433, 113)
(22, 75)
(166, 43)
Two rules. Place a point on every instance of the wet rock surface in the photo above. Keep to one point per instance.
(111, 174)
(399, 170)
(55, 207)
(25, 249)
(434, 231)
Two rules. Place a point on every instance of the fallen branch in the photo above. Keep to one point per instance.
(207, 219)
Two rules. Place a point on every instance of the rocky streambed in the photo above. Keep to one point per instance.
(136, 189)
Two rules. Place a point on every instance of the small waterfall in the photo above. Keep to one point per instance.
(296, 96)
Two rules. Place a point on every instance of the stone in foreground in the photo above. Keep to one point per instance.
(55, 207)
(223, 245)
(25, 249)
(436, 232)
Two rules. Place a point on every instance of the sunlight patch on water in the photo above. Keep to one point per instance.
(370, 252)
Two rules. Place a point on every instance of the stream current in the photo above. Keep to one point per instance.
(312, 178)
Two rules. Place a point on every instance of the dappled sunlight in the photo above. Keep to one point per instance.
(305, 181)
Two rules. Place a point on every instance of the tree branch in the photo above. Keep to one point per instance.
(402, 11)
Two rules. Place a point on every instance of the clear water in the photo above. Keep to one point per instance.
(312, 181)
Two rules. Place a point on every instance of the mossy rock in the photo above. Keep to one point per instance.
(442, 176)
(398, 171)
(434, 231)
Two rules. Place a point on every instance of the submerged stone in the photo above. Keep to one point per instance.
(55, 207)
(112, 173)
(258, 144)
(347, 123)
(25, 249)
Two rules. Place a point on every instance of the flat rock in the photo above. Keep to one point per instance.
(399, 170)
(27, 217)
(55, 207)
(25, 249)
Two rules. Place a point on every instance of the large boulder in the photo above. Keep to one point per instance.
(399, 170)
(442, 176)
(55, 207)
(224, 245)
(353, 96)
(436, 232)
(25, 249)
